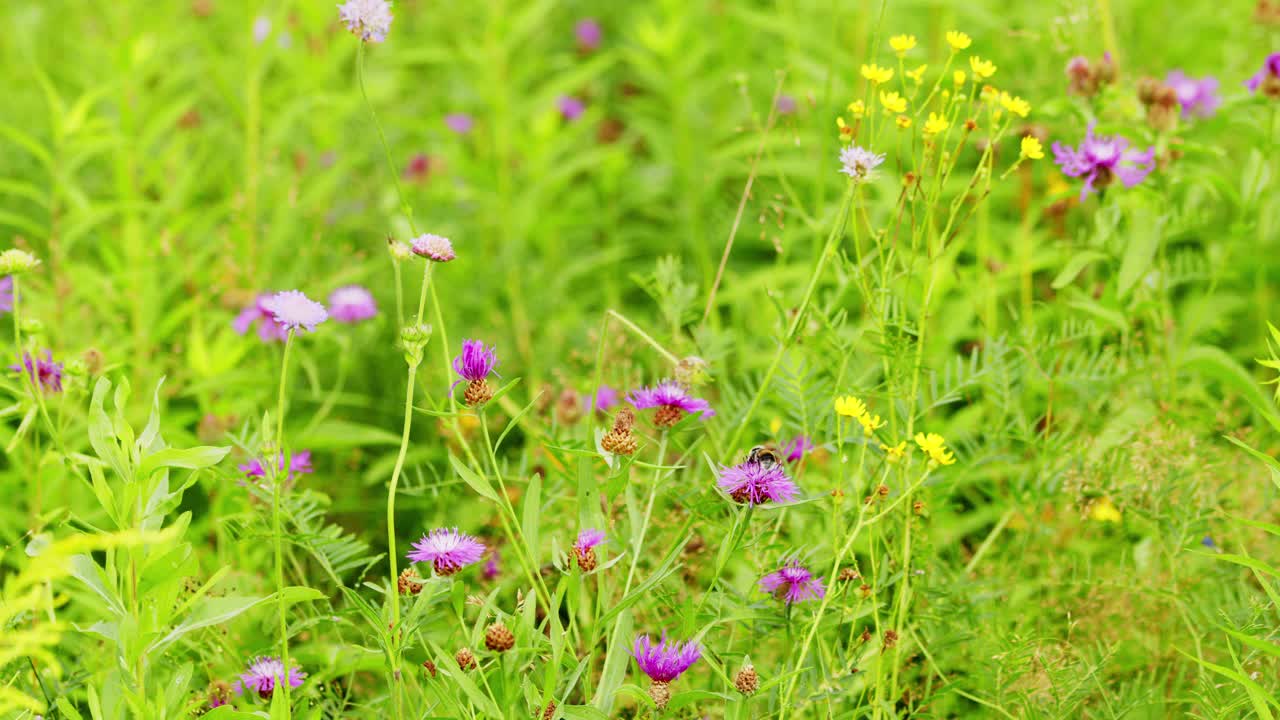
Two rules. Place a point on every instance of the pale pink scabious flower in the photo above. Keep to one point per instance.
(571, 108)
(1197, 96)
(447, 550)
(352, 304)
(793, 583)
(859, 163)
(460, 123)
(433, 247)
(293, 310)
(753, 483)
(606, 399)
(588, 34)
(6, 294)
(263, 674)
(370, 20)
(268, 329)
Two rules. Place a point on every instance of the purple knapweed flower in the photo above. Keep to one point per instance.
(588, 34)
(1198, 97)
(299, 464)
(588, 539)
(859, 163)
(571, 108)
(268, 329)
(798, 448)
(491, 568)
(1100, 159)
(6, 294)
(673, 401)
(447, 550)
(785, 104)
(293, 310)
(433, 247)
(460, 123)
(352, 304)
(1268, 78)
(606, 399)
(43, 371)
(665, 661)
(754, 483)
(476, 361)
(370, 20)
(263, 675)
(793, 583)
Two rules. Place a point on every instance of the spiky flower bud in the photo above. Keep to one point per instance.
(890, 639)
(660, 692)
(413, 338)
(466, 659)
(399, 251)
(498, 638)
(747, 681)
(429, 667)
(619, 440)
(848, 574)
(409, 582)
(548, 713)
(478, 393)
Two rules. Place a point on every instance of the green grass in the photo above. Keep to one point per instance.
(1104, 545)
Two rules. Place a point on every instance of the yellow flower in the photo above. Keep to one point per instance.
(850, 406)
(982, 68)
(958, 77)
(775, 425)
(846, 132)
(904, 122)
(958, 40)
(870, 423)
(935, 446)
(935, 124)
(877, 74)
(989, 93)
(902, 43)
(893, 102)
(1015, 104)
(896, 452)
(1031, 148)
(1057, 185)
(1103, 510)
(917, 75)
(857, 108)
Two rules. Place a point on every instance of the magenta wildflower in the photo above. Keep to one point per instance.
(43, 371)
(798, 448)
(433, 247)
(299, 464)
(419, 168)
(263, 675)
(785, 104)
(605, 400)
(352, 304)
(673, 401)
(6, 294)
(754, 483)
(447, 550)
(588, 34)
(571, 108)
(268, 329)
(1101, 159)
(370, 20)
(476, 361)
(588, 539)
(460, 123)
(665, 661)
(1268, 78)
(292, 310)
(1198, 97)
(793, 583)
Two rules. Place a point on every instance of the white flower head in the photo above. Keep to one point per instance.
(369, 19)
(858, 163)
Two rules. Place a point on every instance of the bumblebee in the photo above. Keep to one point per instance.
(766, 456)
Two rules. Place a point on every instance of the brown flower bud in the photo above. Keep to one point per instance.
(466, 659)
(409, 582)
(498, 638)
(883, 491)
(747, 681)
(549, 712)
(586, 558)
(478, 393)
(849, 574)
(430, 667)
(661, 693)
(890, 639)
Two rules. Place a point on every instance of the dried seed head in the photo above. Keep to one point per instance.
(619, 442)
(866, 634)
(586, 558)
(865, 590)
(409, 582)
(466, 659)
(478, 393)
(890, 638)
(848, 574)
(498, 638)
(429, 667)
(624, 420)
(661, 693)
(549, 712)
(747, 681)
(883, 491)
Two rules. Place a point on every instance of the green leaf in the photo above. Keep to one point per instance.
(615, 666)
(1075, 266)
(479, 483)
(207, 612)
(67, 709)
(84, 569)
(1258, 695)
(581, 712)
(1145, 231)
(532, 514)
(196, 458)
(1217, 365)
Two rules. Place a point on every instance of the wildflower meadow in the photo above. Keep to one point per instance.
(709, 359)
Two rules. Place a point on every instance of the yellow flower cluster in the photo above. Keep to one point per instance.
(876, 74)
(850, 406)
(902, 43)
(935, 446)
(936, 124)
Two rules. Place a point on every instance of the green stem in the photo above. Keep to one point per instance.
(386, 149)
(279, 464)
